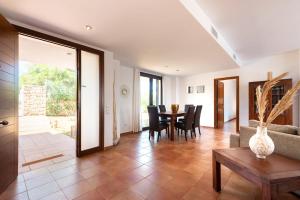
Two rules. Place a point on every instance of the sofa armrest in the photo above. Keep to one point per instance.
(234, 140)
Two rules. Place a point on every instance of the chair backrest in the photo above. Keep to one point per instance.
(162, 108)
(197, 115)
(186, 107)
(153, 117)
(189, 118)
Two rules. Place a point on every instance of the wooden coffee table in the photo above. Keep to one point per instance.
(274, 175)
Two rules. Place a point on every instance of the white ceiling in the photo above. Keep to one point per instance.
(256, 28)
(150, 34)
(39, 52)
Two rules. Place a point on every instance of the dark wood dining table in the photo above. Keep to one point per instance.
(173, 117)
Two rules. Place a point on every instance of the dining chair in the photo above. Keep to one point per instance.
(154, 124)
(164, 119)
(162, 108)
(197, 116)
(187, 124)
(186, 107)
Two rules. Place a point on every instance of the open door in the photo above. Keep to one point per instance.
(8, 103)
(90, 115)
(220, 104)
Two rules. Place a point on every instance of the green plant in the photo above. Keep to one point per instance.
(60, 84)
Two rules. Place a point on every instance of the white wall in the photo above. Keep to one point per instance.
(169, 91)
(229, 100)
(109, 66)
(256, 71)
(125, 102)
(298, 91)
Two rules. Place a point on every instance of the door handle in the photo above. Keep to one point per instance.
(4, 123)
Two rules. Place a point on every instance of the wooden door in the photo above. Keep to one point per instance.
(277, 92)
(220, 104)
(8, 103)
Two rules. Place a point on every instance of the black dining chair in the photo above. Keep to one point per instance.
(187, 124)
(162, 108)
(154, 124)
(197, 116)
(186, 107)
(164, 119)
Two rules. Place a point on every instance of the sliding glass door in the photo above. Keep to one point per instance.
(151, 94)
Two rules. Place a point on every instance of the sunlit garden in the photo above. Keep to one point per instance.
(47, 98)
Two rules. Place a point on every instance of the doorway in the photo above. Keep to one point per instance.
(47, 102)
(89, 80)
(226, 103)
(87, 60)
(151, 94)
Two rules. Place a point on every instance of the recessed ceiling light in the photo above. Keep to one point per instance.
(88, 27)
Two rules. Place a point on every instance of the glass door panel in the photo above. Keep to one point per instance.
(90, 91)
(151, 94)
(156, 91)
(145, 99)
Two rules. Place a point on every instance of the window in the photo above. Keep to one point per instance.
(151, 94)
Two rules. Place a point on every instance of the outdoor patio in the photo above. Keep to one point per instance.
(38, 140)
(42, 145)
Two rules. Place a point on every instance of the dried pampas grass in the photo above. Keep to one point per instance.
(281, 106)
(262, 96)
(261, 105)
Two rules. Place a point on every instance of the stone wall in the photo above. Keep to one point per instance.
(33, 100)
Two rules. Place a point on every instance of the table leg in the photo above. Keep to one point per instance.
(266, 192)
(216, 175)
(172, 127)
(152, 133)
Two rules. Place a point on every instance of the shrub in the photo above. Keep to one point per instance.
(60, 84)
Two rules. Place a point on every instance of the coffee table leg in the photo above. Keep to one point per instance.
(216, 175)
(172, 127)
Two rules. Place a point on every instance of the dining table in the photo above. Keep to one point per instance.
(173, 116)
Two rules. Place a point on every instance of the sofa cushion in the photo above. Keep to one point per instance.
(285, 144)
(278, 128)
(253, 123)
(284, 129)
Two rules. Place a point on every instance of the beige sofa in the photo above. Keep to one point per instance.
(285, 138)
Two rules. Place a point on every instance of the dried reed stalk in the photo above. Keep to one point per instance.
(283, 104)
(262, 94)
(261, 105)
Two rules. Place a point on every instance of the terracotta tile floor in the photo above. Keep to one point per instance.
(137, 169)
